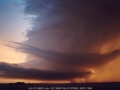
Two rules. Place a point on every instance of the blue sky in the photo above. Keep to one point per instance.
(12, 20)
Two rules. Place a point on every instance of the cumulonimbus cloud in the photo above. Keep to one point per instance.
(73, 25)
(65, 33)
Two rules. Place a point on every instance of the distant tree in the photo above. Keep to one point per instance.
(19, 83)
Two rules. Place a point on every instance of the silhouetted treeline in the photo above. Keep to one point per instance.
(20, 83)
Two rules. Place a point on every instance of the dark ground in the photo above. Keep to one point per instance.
(81, 86)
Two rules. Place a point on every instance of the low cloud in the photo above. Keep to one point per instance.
(15, 71)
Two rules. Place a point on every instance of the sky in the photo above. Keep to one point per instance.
(59, 41)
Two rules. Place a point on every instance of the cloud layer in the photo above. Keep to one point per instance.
(66, 58)
(64, 65)
(15, 71)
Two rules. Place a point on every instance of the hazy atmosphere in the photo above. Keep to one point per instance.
(59, 41)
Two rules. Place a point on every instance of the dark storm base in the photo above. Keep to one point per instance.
(80, 86)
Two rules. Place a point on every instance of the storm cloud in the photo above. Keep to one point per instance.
(68, 36)
(73, 25)
(15, 71)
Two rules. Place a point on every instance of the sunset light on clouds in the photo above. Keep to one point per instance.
(59, 41)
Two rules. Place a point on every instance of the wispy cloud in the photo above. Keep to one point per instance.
(66, 58)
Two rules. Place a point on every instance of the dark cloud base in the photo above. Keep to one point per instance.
(15, 71)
